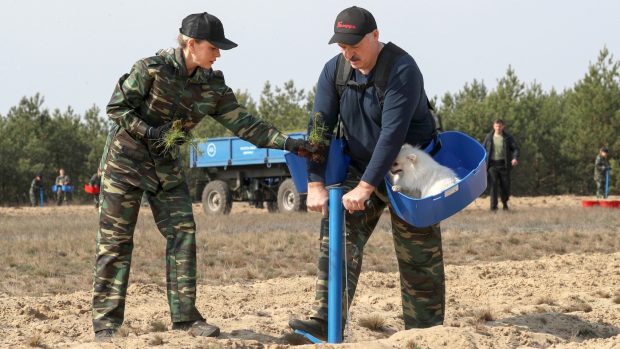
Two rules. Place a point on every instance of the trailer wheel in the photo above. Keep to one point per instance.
(289, 200)
(216, 198)
(272, 206)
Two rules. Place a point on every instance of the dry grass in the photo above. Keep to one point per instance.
(617, 297)
(374, 322)
(546, 299)
(483, 315)
(295, 339)
(602, 294)
(577, 304)
(36, 341)
(411, 344)
(123, 331)
(157, 326)
(51, 250)
(156, 340)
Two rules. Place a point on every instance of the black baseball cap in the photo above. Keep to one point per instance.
(351, 25)
(205, 26)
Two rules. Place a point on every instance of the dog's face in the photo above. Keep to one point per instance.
(405, 160)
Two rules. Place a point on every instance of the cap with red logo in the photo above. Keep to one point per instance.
(205, 26)
(351, 25)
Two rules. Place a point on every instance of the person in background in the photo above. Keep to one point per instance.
(62, 196)
(36, 186)
(95, 181)
(503, 155)
(601, 166)
(174, 85)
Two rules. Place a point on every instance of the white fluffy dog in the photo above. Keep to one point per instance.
(416, 174)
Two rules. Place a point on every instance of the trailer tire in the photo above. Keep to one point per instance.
(289, 200)
(216, 198)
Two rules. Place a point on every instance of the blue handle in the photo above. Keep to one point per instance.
(606, 183)
(334, 286)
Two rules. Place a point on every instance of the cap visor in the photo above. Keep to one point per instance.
(347, 39)
(223, 44)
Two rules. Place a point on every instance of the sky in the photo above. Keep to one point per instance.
(73, 52)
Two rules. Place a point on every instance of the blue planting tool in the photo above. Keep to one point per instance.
(606, 183)
(334, 285)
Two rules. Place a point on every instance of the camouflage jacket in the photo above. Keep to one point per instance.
(36, 185)
(63, 180)
(601, 165)
(158, 90)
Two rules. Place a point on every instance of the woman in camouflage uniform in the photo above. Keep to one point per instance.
(175, 84)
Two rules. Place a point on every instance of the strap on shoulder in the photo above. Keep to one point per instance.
(385, 63)
(343, 74)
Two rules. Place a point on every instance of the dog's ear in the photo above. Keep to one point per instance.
(412, 158)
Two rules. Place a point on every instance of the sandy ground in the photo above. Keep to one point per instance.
(567, 301)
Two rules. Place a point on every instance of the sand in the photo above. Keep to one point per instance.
(558, 301)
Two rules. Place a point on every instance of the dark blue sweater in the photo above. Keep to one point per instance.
(374, 135)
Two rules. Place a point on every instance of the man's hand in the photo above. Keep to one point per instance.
(300, 147)
(158, 132)
(514, 162)
(317, 198)
(355, 200)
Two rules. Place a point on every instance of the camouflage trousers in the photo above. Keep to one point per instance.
(419, 254)
(35, 198)
(118, 213)
(600, 187)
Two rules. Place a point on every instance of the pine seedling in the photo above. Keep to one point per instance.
(317, 137)
(176, 135)
(319, 130)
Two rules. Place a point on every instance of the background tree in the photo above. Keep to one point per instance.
(286, 107)
(34, 142)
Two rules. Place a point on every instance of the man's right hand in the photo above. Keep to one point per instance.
(317, 198)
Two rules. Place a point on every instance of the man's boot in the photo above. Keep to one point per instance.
(197, 328)
(104, 336)
(314, 326)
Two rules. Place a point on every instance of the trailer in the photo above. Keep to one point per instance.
(229, 169)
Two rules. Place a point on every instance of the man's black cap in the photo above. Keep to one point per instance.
(204, 26)
(605, 150)
(351, 25)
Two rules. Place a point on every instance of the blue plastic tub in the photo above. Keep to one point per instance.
(65, 188)
(335, 172)
(465, 156)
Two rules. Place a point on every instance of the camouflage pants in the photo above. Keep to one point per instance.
(419, 254)
(62, 197)
(600, 187)
(118, 213)
(34, 198)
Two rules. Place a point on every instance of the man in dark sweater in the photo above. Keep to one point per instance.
(375, 130)
(503, 155)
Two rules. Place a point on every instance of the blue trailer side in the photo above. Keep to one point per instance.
(228, 169)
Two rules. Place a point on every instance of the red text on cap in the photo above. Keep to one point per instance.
(346, 26)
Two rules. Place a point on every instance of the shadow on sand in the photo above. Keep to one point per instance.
(565, 326)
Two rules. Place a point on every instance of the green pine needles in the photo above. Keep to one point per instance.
(176, 135)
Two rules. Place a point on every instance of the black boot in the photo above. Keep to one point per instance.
(197, 328)
(314, 326)
(104, 336)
